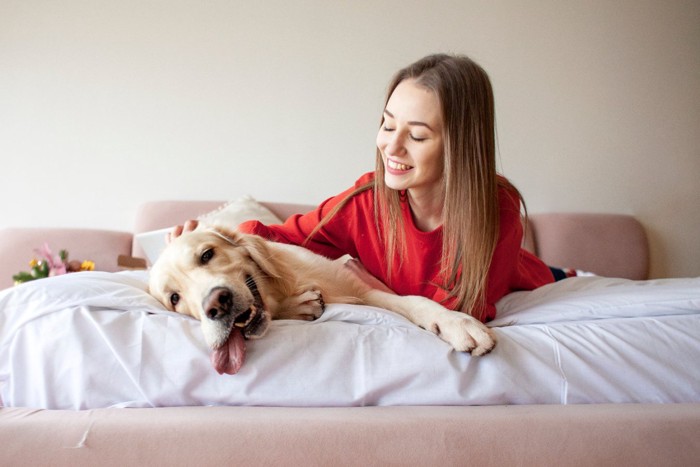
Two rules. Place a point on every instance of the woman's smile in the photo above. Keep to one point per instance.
(396, 168)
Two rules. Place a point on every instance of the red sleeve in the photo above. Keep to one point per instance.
(334, 240)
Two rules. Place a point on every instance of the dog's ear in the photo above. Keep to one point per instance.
(267, 258)
(264, 256)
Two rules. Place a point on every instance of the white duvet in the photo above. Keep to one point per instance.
(91, 340)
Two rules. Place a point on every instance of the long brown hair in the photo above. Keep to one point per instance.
(470, 181)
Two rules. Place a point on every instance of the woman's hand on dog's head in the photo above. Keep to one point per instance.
(178, 230)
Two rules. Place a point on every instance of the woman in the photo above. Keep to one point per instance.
(434, 218)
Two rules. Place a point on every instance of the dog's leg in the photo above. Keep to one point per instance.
(462, 331)
(307, 306)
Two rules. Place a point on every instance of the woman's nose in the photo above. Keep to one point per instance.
(395, 144)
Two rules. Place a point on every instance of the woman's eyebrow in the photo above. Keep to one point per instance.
(413, 123)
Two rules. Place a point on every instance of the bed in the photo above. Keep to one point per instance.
(594, 370)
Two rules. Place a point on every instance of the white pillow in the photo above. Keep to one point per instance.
(233, 213)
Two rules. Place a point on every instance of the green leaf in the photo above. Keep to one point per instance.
(23, 277)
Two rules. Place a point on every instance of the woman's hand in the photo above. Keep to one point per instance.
(361, 273)
(178, 230)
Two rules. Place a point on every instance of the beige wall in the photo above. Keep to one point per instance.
(104, 105)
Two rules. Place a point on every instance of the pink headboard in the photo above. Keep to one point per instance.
(156, 215)
(611, 245)
(18, 245)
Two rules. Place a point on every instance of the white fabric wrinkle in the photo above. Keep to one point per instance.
(564, 394)
(118, 352)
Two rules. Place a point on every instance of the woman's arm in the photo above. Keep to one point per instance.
(354, 266)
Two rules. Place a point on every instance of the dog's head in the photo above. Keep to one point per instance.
(212, 276)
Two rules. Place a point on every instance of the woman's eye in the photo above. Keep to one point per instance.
(413, 138)
(174, 299)
(207, 256)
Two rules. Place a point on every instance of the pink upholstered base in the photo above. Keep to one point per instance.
(585, 435)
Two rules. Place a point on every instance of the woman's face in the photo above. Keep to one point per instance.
(410, 139)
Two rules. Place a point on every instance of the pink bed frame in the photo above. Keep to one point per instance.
(606, 434)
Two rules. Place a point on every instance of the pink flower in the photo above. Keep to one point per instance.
(56, 265)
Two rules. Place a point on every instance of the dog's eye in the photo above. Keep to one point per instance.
(207, 256)
(174, 299)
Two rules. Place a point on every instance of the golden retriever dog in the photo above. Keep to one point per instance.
(236, 283)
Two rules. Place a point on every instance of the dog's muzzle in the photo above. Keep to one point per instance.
(221, 305)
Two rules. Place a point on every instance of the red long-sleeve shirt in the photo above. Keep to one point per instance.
(352, 231)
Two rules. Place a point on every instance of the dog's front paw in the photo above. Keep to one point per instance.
(464, 333)
(306, 306)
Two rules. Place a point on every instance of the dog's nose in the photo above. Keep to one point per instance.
(217, 303)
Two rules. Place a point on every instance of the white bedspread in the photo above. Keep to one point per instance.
(91, 340)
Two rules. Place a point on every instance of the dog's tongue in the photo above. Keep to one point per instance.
(229, 357)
